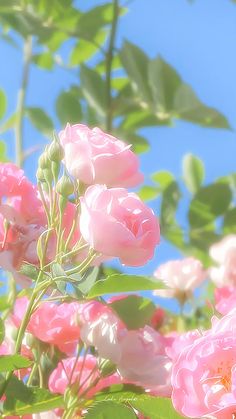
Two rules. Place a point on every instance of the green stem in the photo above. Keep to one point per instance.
(21, 102)
(109, 59)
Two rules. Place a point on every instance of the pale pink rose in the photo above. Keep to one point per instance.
(57, 325)
(181, 276)
(144, 361)
(224, 254)
(92, 156)
(225, 299)
(102, 329)
(118, 224)
(181, 341)
(204, 374)
(59, 378)
(22, 210)
(45, 415)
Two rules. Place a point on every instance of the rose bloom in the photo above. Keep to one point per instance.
(181, 276)
(204, 374)
(101, 328)
(224, 254)
(22, 220)
(118, 224)
(92, 156)
(225, 299)
(57, 325)
(143, 360)
(59, 378)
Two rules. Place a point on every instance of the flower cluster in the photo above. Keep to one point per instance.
(71, 342)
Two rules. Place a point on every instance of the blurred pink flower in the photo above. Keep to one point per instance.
(84, 370)
(92, 156)
(204, 374)
(143, 360)
(225, 299)
(102, 329)
(181, 276)
(118, 224)
(224, 254)
(57, 324)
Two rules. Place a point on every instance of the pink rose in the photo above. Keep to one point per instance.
(204, 374)
(225, 299)
(59, 378)
(224, 254)
(57, 325)
(93, 156)
(101, 328)
(118, 224)
(181, 276)
(143, 360)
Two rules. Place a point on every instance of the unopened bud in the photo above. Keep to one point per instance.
(107, 368)
(55, 151)
(40, 176)
(44, 162)
(65, 186)
(48, 175)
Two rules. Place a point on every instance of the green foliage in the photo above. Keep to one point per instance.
(156, 407)
(40, 120)
(109, 409)
(134, 311)
(193, 172)
(120, 283)
(3, 103)
(23, 400)
(93, 88)
(13, 362)
(209, 203)
(2, 331)
(68, 108)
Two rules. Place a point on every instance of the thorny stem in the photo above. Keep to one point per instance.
(109, 59)
(21, 102)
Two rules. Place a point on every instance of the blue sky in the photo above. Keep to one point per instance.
(198, 39)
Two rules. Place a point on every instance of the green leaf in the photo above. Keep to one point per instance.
(155, 407)
(44, 60)
(148, 193)
(84, 50)
(135, 62)
(209, 203)
(22, 400)
(170, 200)
(3, 103)
(88, 280)
(163, 178)
(188, 107)
(134, 311)
(164, 82)
(93, 87)
(40, 120)
(3, 157)
(117, 283)
(13, 362)
(229, 224)
(68, 108)
(2, 331)
(140, 119)
(119, 392)
(108, 410)
(193, 172)
(29, 270)
(139, 144)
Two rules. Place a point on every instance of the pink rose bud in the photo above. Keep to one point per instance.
(118, 224)
(92, 156)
